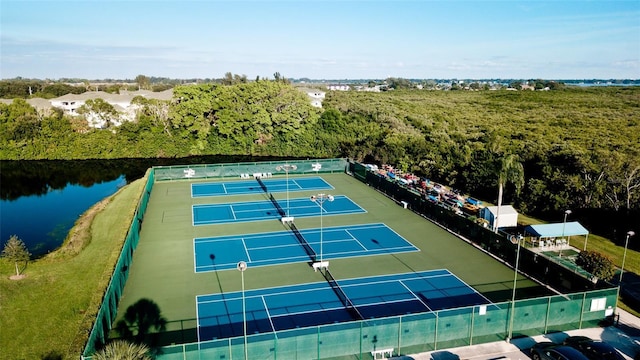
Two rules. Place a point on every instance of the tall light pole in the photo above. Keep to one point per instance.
(515, 282)
(564, 223)
(287, 168)
(321, 199)
(242, 266)
(624, 257)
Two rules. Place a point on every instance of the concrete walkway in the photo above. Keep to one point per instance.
(624, 336)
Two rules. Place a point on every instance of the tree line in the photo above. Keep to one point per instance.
(578, 147)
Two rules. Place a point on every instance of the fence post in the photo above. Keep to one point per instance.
(546, 318)
(360, 354)
(399, 334)
(435, 335)
(473, 316)
(584, 299)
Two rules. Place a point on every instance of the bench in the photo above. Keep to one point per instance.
(321, 264)
(382, 352)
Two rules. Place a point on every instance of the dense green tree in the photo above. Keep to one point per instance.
(597, 264)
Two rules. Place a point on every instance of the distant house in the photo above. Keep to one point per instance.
(508, 216)
(338, 87)
(70, 103)
(316, 96)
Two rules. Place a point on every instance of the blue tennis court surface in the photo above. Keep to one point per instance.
(282, 247)
(266, 210)
(244, 187)
(288, 307)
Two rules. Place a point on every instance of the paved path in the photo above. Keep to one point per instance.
(625, 336)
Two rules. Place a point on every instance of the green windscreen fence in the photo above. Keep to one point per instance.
(107, 313)
(250, 169)
(411, 334)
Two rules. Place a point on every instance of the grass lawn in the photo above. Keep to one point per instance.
(49, 313)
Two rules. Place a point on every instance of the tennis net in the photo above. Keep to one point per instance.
(307, 248)
(262, 185)
(341, 295)
(275, 203)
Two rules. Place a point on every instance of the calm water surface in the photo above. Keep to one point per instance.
(43, 221)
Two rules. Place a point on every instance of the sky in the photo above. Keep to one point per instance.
(330, 39)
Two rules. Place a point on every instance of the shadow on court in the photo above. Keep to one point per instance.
(388, 252)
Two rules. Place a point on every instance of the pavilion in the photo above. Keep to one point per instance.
(557, 234)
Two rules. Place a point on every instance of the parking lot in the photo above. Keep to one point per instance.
(625, 337)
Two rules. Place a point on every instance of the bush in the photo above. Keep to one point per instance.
(596, 264)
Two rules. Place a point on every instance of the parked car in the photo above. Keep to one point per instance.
(594, 350)
(552, 351)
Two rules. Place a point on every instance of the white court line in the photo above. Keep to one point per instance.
(474, 290)
(288, 314)
(246, 251)
(298, 185)
(225, 189)
(356, 240)
(414, 294)
(266, 308)
(323, 287)
(233, 212)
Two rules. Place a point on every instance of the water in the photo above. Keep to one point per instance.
(42, 222)
(41, 200)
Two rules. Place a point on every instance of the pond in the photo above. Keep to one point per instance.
(42, 222)
(41, 200)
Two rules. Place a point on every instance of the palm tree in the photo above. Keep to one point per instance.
(123, 350)
(511, 170)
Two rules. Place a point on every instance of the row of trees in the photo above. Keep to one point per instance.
(576, 148)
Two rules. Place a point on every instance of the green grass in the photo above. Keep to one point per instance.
(50, 312)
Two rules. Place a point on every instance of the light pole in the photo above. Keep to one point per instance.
(624, 257)
(564, 223)
(286, 168)
(242, 266)
(515, 282)
(320, 199)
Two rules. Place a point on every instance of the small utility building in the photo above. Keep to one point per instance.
(508, 216)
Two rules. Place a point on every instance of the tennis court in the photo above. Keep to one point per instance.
(269, 210)
(332, 301)
(282, 247)
(254, 186)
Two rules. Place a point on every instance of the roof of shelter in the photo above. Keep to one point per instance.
(556, 230)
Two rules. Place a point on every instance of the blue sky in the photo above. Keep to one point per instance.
(329, 39)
